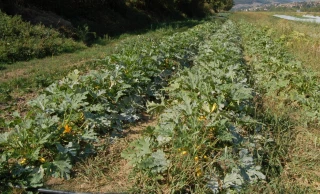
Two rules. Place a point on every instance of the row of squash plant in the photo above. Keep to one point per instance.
(65, 123)
(289, 91)
(207, 139)
(278, 75)
(214, 132)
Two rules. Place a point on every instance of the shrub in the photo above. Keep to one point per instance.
(20, 40)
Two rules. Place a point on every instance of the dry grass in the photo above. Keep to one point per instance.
(304, 167)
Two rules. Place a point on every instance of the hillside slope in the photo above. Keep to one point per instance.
(108, 17)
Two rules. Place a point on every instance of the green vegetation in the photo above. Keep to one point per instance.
(284, 82)
(290, 90)
(301, 38)
(199, 144)
(23, 80)
(58, 132)
(220, 127)
(235, 111)
(109, 16)
(23, 41)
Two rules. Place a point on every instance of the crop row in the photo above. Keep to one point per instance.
(64, 123)
(288, 96)
(203, 141)
(279, 76)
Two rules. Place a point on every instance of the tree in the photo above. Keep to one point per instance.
(227, 5)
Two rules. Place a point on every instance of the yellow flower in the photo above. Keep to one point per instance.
(82, 116)
(205, 157)
(23, 161)
(42, 160)
(198, 171)
(196, 158)
(67, 129)
(214, 107)
(202, 118)
(184, 152)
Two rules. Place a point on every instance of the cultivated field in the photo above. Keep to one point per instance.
(226, 104)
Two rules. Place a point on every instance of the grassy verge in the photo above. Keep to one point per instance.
(289, 91)
(301, 38)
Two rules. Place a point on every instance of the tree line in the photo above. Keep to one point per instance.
(191, 8)
(116, 16)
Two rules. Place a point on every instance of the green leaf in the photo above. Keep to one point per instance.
(36, 179)
(95, 108)
(187, 105)
(35, 153)
(89, 135)
(44, 139)
(4, 137)
(41, 102)
(156, 108)
(137, 150)
(61, 168)
(206, 107)
(233, 180)
(78, 100)
(160, 163)
(71, 148)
